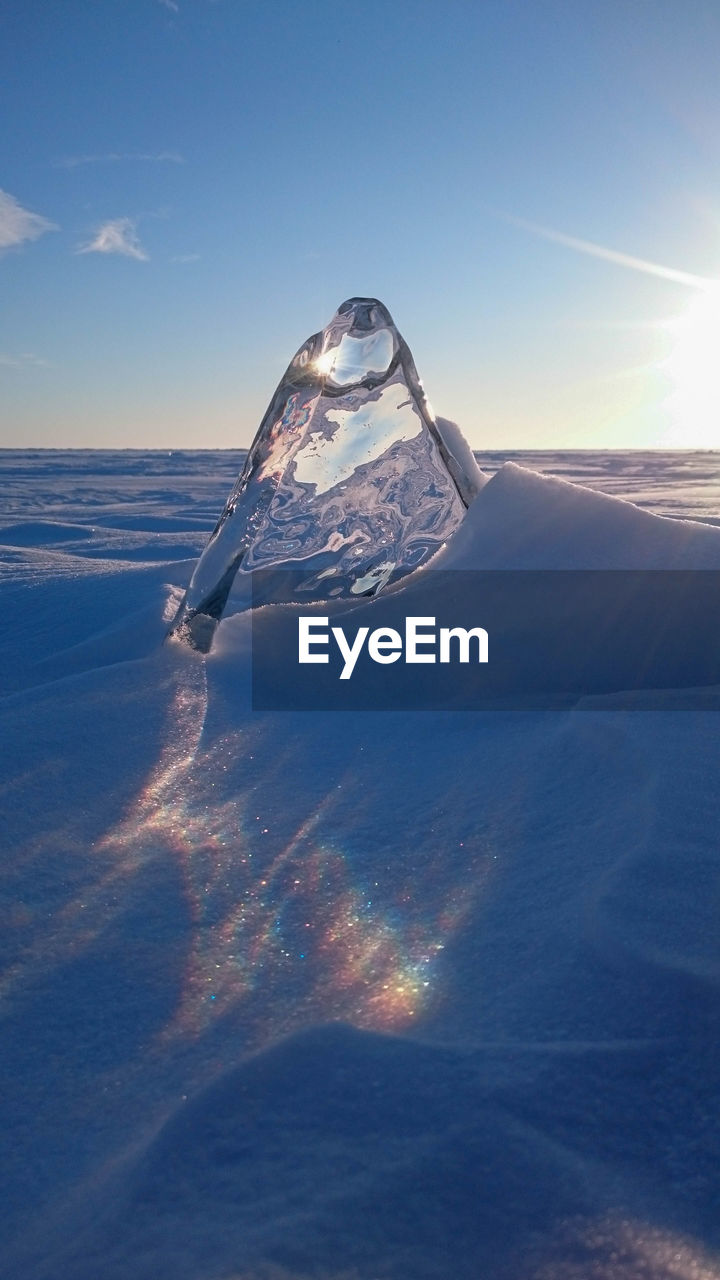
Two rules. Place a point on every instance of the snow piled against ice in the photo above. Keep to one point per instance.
(391, 997)
(523, 520)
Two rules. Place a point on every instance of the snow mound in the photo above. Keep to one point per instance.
(523, 520)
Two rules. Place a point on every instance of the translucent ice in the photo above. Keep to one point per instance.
(348, 477)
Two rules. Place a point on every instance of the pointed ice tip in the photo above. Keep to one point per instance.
(367, 313)
(349, 420)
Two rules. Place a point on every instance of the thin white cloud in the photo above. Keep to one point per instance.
(117, 236)
(612, 255)
(24, 360)
(172, 5)
(18, 225)
(116, 157)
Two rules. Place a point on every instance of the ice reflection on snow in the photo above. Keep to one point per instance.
(619, 1248)
(286, 920)
(283, 932)
(71, 927)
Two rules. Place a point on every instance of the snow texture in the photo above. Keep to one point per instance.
(352, 997)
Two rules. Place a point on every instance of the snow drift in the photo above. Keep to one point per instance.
(375, 995)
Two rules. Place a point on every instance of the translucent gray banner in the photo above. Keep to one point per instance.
(479, 641)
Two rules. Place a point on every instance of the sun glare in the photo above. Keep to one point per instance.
(693, 368)
(326, 362)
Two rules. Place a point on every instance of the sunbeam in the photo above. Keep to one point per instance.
(612, 255)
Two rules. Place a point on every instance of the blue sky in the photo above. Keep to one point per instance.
(191, 187)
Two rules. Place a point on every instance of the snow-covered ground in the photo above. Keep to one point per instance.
(428, 996)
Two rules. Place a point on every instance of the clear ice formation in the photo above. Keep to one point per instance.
(348, 478)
